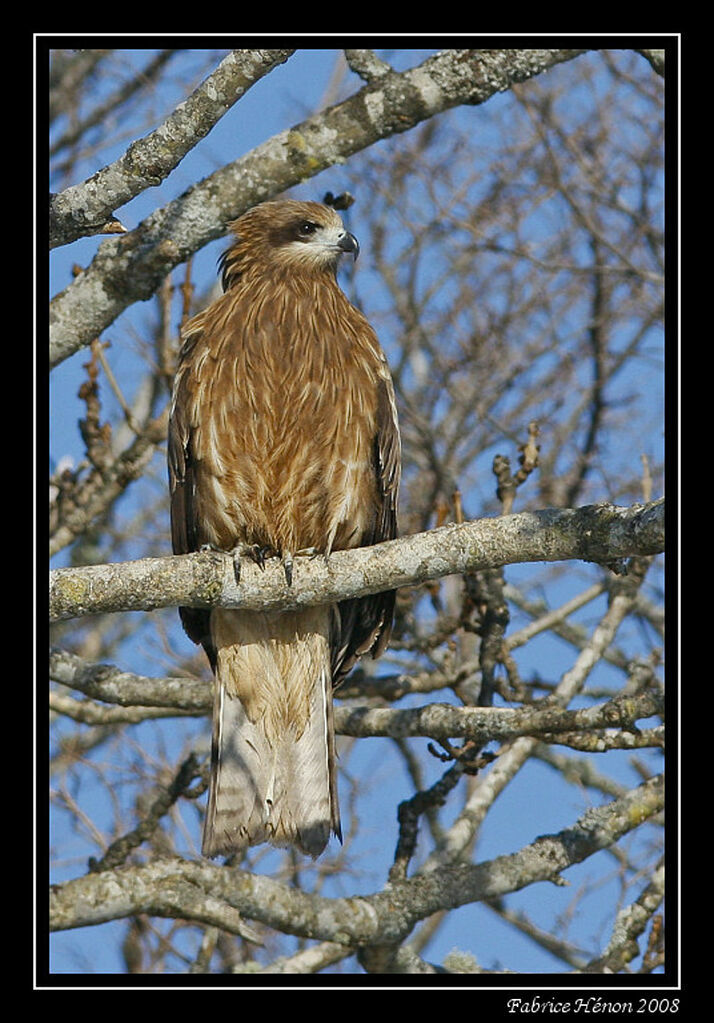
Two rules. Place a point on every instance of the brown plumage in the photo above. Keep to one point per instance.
(283, 438)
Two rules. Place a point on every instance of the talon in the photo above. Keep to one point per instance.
(248, 550)
(256, 552)
(236, 554)
(260, 552)
(288, 568)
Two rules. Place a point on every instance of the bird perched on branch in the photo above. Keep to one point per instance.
(283, 439)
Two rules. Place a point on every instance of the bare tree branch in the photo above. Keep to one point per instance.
(112, 685)
(130, 269)
(485, 724)
(367, 64)
(439, 721)
(308, 960)
(516, 754)
(200, 891)
(656, 59)
(85, 208)
(600, 533)
(630, 923)
(91, 496)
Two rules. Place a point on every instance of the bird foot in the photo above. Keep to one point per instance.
(287, 559)
(288, 567)
(259, 554)
(307, 552)
(256, 552)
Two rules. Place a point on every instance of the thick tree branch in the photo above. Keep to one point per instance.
(204, 892)
(487, 724)
(603, 533)
(87, 712)
(88, 208)
(308, 960)
(112, 685)
(129, 269)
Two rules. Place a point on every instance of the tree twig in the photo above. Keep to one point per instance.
(119, 850)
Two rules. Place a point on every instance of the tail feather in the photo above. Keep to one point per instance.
(273, 760)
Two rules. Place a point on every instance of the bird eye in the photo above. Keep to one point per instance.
(307, 228)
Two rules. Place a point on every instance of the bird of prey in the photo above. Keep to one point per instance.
(283, 440)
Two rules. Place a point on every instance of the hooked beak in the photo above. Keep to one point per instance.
(348, 243)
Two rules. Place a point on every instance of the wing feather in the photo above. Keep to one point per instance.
(184, 523)
(366, 623)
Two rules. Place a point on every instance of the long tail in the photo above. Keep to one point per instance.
(273, 776)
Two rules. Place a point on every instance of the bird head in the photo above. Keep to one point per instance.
(304, 237)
